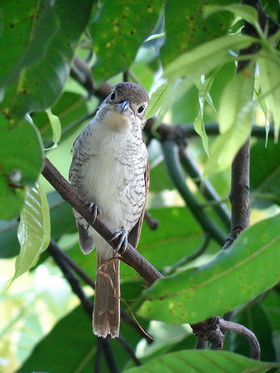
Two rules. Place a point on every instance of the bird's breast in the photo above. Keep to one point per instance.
(114, 176)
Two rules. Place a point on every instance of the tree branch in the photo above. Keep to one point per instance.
(210, 330)
(255, 351)
(240, 172)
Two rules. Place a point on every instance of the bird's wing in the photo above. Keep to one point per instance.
(134, 234)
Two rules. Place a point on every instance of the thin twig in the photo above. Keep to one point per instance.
(187, 130)
(109, 355)
(152, 223)
(126, 75)
(255, 351)
(190, 257)
(201, 344)
(129, 350)
(77, 269)
(55, 252)
(98, 357)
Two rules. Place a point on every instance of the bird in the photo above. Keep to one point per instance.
(110, 170)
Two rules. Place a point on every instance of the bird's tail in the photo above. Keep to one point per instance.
(106, 313)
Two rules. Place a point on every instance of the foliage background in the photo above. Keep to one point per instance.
(47, 97)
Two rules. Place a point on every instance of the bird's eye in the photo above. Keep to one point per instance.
(141, 109)
(113, 96)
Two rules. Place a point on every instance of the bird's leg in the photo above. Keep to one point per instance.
(121, 236)
(94, 209)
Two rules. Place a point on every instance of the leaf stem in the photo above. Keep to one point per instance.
(175, 171)
(204, 186)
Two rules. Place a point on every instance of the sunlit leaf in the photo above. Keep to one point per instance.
(204, 58)
(157, 98)
(236, 98)
(249, 267)
(33, 229)
(246, 12)
(270, 86)
(167, 95)
(197, 361)
(56, 126)
(235, 121)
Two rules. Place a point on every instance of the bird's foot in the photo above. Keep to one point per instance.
(121, 236)
(95, 210)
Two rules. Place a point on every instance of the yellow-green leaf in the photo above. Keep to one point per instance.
(56, 126)
(235, 121)
(33, 229)
(270, 87)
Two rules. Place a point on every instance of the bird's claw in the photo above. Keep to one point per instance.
(121, 235)
(95, 210)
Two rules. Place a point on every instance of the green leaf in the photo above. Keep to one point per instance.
(73, 347)
(246, 12)
(202, 361)
(200, 130)
(186, 27)
(204, 96)
(236, 99)
(56, 126)
(21, 160)
(204, 58)
(62, 222)
(256, 319)
(69, 109)
(74, 353)
(178, 235)
(33, 229)
(221, 77)
(272, 306)
(158, 98)
(39, 84)
(9, 245)
(11, 199)
(62, 218)
(265, 174)
(166, 96)
(235, 121)
(118, 31)
(159, 178)
(186, 107)
(248, 268)
(270, 86)
(28, 29)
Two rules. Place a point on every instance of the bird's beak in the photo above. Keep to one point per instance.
(122, 106)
